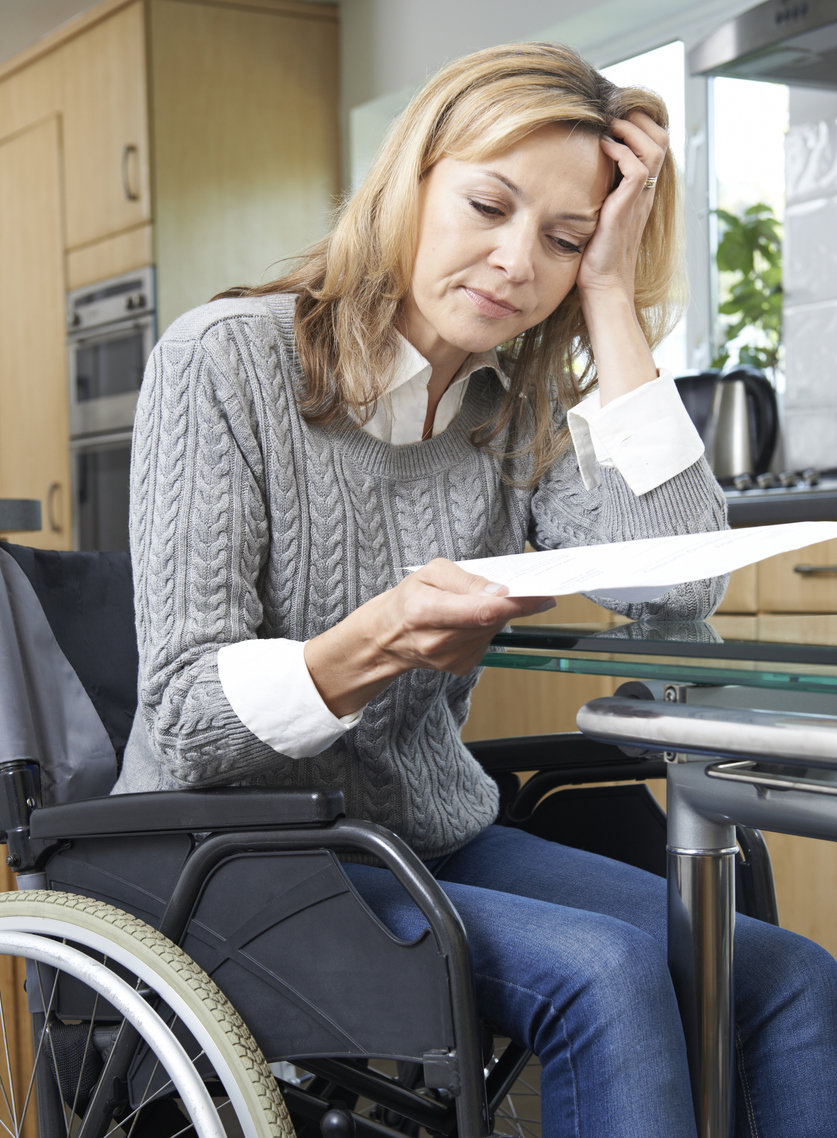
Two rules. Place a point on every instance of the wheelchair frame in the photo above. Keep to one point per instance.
(189, 838)
(227, 824)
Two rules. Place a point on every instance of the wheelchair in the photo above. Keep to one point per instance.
(197, 962)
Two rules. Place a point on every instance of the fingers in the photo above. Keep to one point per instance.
(443, 574)
(638, 147)
(439, 617)
(642, 126)
(444, 618)
(455, 598)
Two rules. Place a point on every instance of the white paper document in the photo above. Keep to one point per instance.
(643, 570)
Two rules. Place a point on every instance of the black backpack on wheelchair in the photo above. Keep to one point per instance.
(197, 962)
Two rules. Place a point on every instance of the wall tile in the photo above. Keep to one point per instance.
(810, 252)
(809, 403)
(808, 439)
(811, 160)
(810, 334)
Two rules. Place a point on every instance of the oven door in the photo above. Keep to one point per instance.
(105, 368)
(101, 468)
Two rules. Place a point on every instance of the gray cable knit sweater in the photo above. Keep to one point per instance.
(247, 521)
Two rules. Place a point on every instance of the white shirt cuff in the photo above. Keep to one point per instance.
(646, 434)
(271, 691)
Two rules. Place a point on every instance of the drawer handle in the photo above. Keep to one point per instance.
(816, 570)
(129, 151)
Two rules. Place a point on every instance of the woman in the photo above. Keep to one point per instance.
(405, 397)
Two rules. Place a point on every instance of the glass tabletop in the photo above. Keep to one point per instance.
(674, 651)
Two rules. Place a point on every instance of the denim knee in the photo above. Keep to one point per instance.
(779, 973)
(592, 997)
(786, 1012)
(599, 976)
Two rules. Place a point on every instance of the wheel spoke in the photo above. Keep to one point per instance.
(519, 1112)
(186, 1031)
(49, 1011)
(8, 1099)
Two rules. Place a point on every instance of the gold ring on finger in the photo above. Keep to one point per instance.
(650, 183)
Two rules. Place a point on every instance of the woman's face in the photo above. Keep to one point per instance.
(500, 242)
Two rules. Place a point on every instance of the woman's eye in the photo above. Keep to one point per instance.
(565, 246)
(485, 209)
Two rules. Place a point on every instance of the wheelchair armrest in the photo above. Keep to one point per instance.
(569, 755)
(218, 809)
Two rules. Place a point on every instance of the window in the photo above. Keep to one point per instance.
(663, 69)
(749, 124)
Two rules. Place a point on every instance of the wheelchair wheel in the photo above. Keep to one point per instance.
(519, 1113)
(131, 1038)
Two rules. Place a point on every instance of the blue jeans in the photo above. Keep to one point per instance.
(569, 957)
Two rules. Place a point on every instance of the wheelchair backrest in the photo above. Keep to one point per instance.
(68, 666)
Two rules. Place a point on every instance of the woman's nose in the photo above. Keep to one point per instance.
(514, 252)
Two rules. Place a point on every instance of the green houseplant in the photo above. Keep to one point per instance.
(749, 260)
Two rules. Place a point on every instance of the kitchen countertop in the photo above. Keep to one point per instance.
(781, 504)
(17, 514)
(746, 507)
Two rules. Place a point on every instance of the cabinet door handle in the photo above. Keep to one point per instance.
(129, 151)
(816, 570)
(53, 520)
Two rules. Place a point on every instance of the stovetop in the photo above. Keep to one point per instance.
(792, 496)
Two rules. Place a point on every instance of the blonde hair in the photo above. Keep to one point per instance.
(351, 284)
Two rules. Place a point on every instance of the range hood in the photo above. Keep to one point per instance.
(782, 41)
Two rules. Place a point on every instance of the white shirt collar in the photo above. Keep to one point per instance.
(401, 411)
(410, 364)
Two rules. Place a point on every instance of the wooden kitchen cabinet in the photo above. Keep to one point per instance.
(246, 144)
(742, 592)
(34, 458)
(105, 127)
(198, 136)
(804, 581)
(219, 155)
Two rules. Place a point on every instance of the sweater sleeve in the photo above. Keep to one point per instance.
(566, 513)
(199, 540)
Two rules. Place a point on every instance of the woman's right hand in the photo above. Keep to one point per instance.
(439, 617)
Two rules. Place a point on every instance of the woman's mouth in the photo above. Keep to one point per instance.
(489, 305)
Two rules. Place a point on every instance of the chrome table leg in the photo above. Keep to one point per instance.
(787, 783)
(701, 915)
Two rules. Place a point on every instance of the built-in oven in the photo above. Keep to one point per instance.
(111, 330)
(100, 470)
(110, 333)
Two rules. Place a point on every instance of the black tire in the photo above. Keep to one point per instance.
(97, 958)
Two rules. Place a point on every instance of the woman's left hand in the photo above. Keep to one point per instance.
(638, 147)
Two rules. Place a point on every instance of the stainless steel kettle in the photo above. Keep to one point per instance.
(737, 416)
